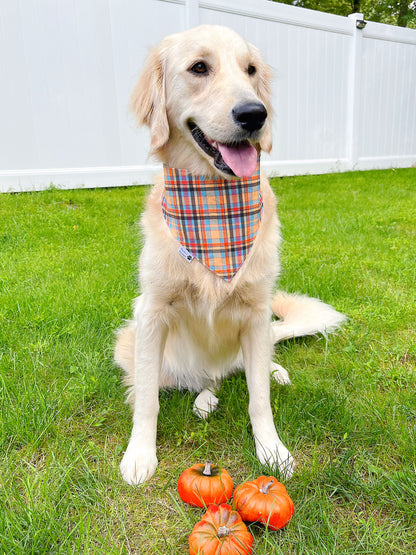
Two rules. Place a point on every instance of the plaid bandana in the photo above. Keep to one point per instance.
(214, 220)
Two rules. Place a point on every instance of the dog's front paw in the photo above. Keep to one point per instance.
(276, 456)
(138, 465)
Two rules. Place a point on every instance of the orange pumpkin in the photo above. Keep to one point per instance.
(265, 500)
(220, 532)
(203, 485)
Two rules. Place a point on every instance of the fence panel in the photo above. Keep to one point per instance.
(387, 97)
(344, 98)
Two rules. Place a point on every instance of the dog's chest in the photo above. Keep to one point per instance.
(218, 310)
(206, 330)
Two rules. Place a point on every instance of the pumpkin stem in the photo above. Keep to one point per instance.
(222, 532)
(266, 487)
(207, 469)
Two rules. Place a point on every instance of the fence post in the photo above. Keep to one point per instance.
(354, 86)
(191, 13)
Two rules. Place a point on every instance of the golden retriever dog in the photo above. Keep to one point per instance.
(205, 95)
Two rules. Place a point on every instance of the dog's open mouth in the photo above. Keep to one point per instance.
(239, 159)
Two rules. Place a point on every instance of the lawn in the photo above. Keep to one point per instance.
(67, 278)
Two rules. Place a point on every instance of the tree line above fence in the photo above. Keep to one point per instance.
(392, 12)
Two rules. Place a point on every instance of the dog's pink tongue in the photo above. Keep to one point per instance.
(242, 159)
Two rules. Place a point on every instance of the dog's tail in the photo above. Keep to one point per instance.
(301, 315)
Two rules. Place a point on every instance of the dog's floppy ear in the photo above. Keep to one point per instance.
(264, 73)
(148, 100)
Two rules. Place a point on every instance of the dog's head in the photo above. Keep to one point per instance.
(205, 95)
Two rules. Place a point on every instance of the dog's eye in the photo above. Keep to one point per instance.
(200, 68)
(251, 70)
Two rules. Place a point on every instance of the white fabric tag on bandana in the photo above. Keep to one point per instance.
(185, 253)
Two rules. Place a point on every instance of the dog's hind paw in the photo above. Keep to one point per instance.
(205, 403)
(138, 465)
(280, 374)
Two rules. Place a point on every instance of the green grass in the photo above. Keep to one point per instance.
(67, 278)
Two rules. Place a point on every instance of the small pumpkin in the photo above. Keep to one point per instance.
(220, 532)
(205, 484)
(265, 500)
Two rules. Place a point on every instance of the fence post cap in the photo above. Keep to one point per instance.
(356, 15)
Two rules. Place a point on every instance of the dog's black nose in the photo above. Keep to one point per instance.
(250, 116)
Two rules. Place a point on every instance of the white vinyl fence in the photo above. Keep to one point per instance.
(344, 97)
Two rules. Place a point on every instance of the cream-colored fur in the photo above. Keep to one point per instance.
(191, 328)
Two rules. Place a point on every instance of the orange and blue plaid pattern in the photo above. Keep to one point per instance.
(215, 220)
